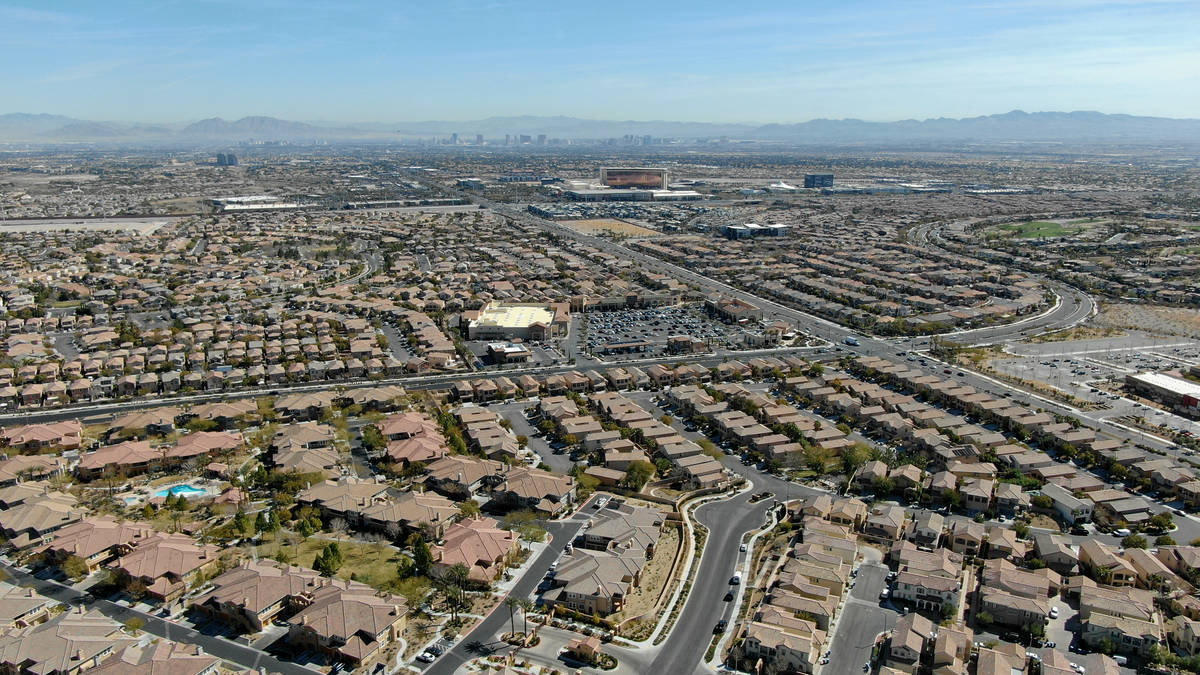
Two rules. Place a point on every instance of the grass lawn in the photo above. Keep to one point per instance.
(373, 564)
(1039, 228)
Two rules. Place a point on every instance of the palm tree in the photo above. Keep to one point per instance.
(526, 607)
(512, 603)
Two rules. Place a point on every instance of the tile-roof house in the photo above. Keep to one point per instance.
(128, 458)
(480, 545)
(160, 658)
(97, 541)
(251, 595)
(67, 435)
(348, 622)
(428, 513)
(70, 643)
(21, 607)
(165, 564)
(530, 488)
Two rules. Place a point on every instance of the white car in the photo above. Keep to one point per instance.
(1053, 612)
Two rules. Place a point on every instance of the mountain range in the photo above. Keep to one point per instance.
(1014, 126)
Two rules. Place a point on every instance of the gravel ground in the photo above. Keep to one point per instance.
(1156, 320)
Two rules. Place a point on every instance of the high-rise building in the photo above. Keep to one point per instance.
(818, 180)
(541, 139)
(478, 139)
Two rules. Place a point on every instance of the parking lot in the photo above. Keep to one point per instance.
(1095, 370)
(645, 331)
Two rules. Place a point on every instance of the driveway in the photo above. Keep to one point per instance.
(862, 620)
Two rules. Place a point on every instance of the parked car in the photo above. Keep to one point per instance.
(720, 627)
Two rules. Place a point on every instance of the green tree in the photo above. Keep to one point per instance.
(638, 474)
(512, 603)
(1164, 540)
(422, 558)
(469, 508)
(855, 456)
(1134, 541)
(452, 584)
(329, 560)
(75, 567)
(372, 440)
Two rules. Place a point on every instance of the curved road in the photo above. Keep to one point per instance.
(727, 522)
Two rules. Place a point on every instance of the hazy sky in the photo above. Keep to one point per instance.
(786, 60)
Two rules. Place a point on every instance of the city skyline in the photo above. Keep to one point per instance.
(369, 62)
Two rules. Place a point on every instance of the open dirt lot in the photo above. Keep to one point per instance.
(1156, 320)
(642, 599)
(609, 226)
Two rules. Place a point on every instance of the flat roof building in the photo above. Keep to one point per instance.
(1180, 394)
(498, 321)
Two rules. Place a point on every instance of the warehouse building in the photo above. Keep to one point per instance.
(1180, 395)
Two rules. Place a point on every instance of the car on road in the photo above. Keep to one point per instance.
(742, 548)
(721, 626)
(728, 596)
(1053, 612)
(735, 580)
(426, 657)
(883, 595)
(1122, 532)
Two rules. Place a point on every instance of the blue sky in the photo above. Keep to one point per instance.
(723, 61)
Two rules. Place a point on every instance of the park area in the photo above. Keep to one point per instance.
(1038, 229)
(376, 564)
(609, 226)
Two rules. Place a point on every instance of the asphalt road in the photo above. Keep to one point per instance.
(75, 411)
(862, 620)
(727, 521)
(480, 641)
(243, 655)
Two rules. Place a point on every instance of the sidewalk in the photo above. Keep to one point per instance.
(504, 587)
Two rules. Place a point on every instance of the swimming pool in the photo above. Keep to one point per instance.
(185, 490)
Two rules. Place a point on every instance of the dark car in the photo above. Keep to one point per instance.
(720, 627)
(729, 596)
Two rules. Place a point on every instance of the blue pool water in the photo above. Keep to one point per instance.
(185, 490)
